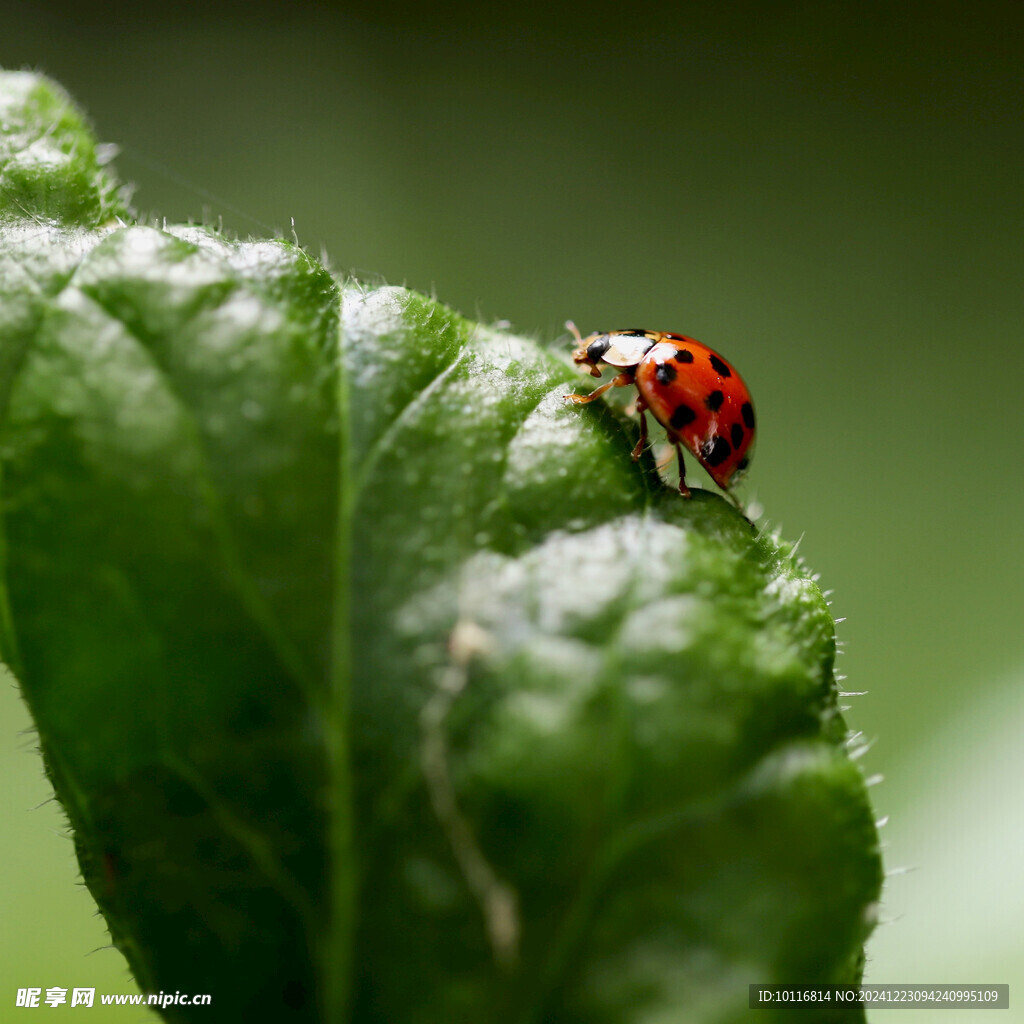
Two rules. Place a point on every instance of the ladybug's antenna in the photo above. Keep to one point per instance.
(575, 331)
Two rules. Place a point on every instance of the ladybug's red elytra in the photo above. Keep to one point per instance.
(696, 395)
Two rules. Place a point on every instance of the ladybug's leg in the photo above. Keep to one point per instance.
(683, 489)
(621, 381)
(736, 501)
(641, 406)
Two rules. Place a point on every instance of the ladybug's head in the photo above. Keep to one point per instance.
(591, 351)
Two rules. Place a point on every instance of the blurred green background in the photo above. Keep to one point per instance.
(829, 194)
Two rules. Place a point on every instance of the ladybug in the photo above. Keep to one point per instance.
(697, 396)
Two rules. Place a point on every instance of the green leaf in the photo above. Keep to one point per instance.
(379, 684)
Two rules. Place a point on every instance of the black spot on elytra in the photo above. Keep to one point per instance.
(682, 416)
(742, 464)
(715, 451)
(719, 366)
(747, 412)
(684, 355)
(665, 373)
(714, 401)
(737, 435)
